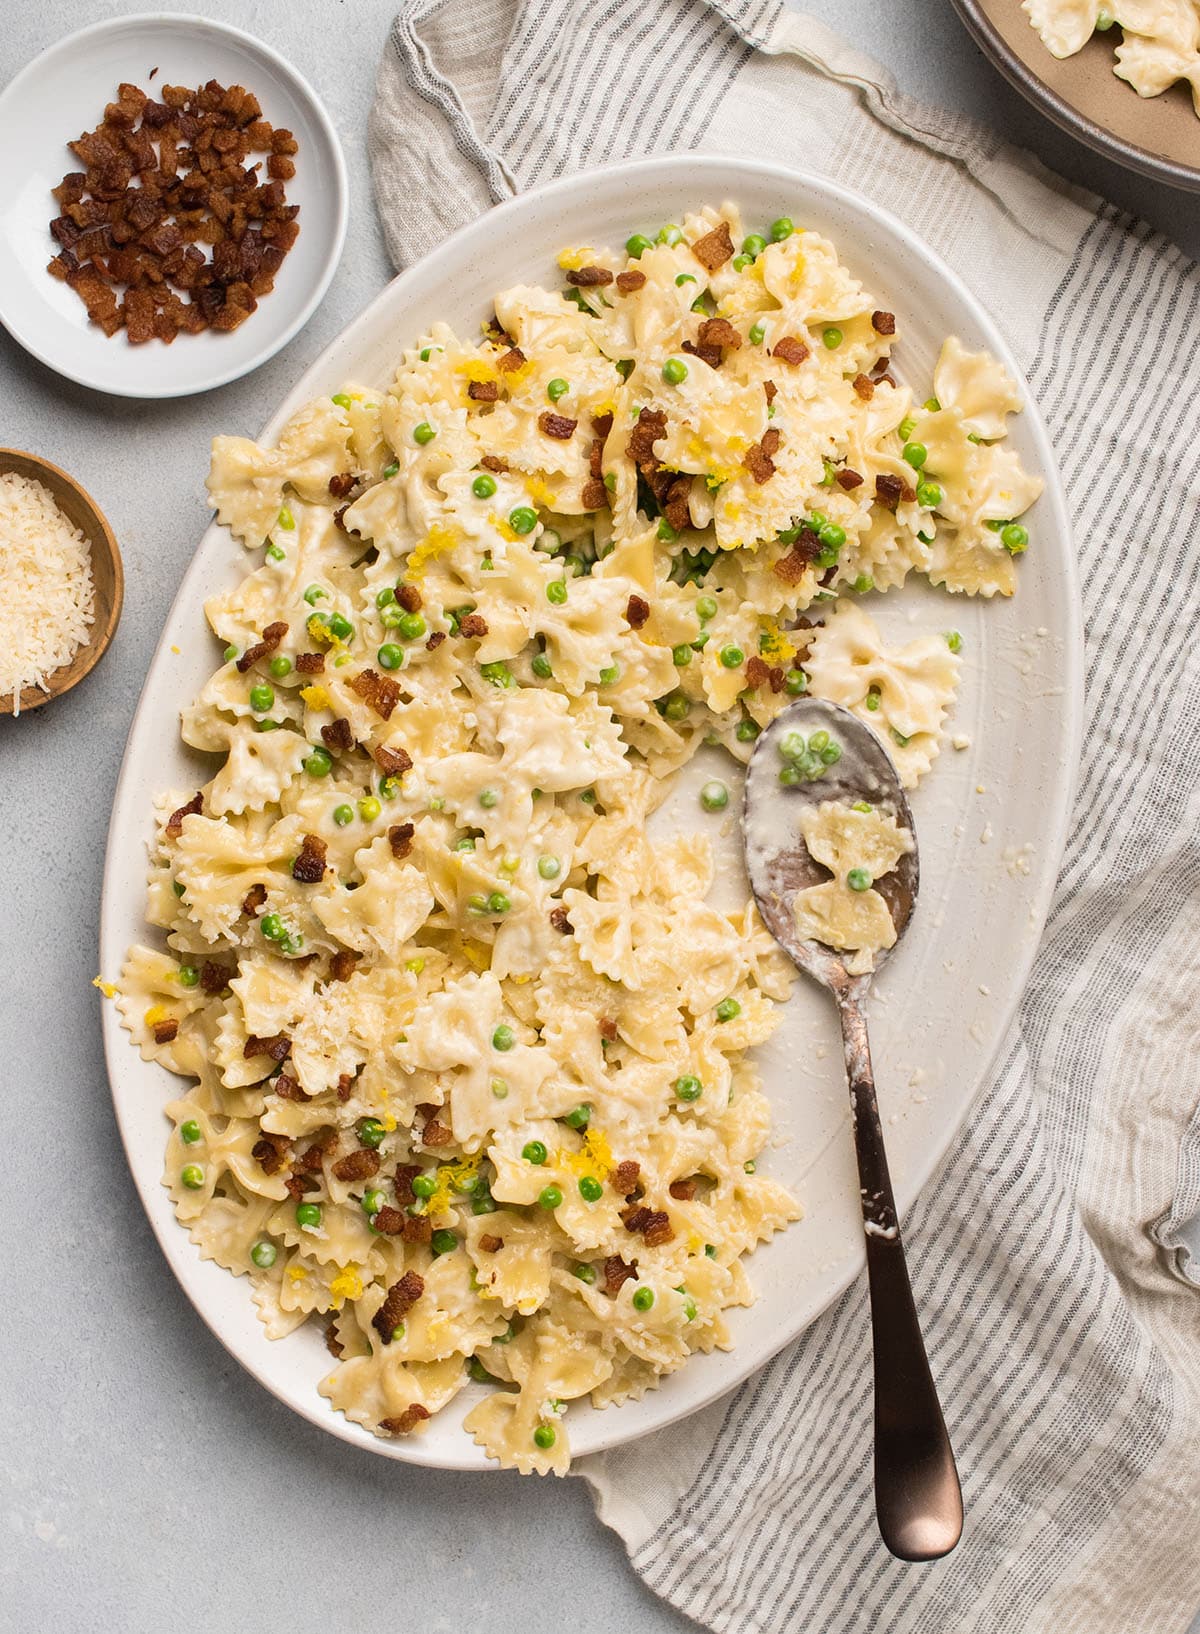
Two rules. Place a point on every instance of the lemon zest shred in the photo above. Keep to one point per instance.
(297, 1273)
(319, 632)
(773, 643)
(476, 369)
(346, 1285)
(155, 1014)
(540, 493)
(571, 260)
(315, 697)
(436, 543)
(594, 1157)
(107, 988)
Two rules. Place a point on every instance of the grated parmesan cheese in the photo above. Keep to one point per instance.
(46, 590)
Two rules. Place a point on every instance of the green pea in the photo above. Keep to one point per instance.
(371, 1133)
(590, 1189)
(483, 1205)
(728, 1009)
(832, 337)
(901, 739)
(872, 699)
(189, 1132)
(263, 1254)
(706, 608)
(274, 554)
(369, 808)
(389, 471)
(676, 707)
(689, 1305)
(523, 520)
(610, 676)
(499, 903)
(390, 656)
(670, 234)
(711, 1250)
(588, 796)
(954, 640)
(341, 626)
(549, 1197)
(500, 1088)
(488, 798)
(674, 371)
(732, 657)
(1104, 20)
(308, 1215)
(666, 532)
(319, 763)
(556, 389)
(534, 1151)
(681, 655)
(746, 730)
(831, 754)
(584, 1271)
(637, 246)
(682, 278)
(271, 926)
(1014, 538)
(541, 666)
(751, 1167)
(484, 486)
(792, 745)
(262, 698)
(915, 454)
(754, 244)
(858, 879)
(781, 229)
(818, 741)
(478, 1372)
(741, 262)
(189, 976)
(714, 796)
(424, 1185)
(340, 399)
(579, 1117)
(372, 1202)
(443, 1242)
(343, 815)
(545, 1435)
(477, 903)
(932, 406)
(314, 594)
(688, 1088)
(864, 582)
(832, 536)
(643, 1299)
(700, 304)
(412, 626)
(280, 666)
(556, 591)
(285, 520)
(424, 433)
(466, 843)
(756, 334)
(503, 1037)
(929, 495)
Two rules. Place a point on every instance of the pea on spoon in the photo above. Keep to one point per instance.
(918, 1501)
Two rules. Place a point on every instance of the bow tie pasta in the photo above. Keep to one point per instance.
(1158, 46)
(472, 1056)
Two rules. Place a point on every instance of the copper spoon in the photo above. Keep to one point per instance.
(918, 1500)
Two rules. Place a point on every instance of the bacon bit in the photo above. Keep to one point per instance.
(484, 391)
(625, 1177)
(617, 1273)
(602, 424)
(398, 1301)
(561, 922)
(345, 1086)
(435, 640)
(175, 821)
(589, 277)
(628, 282)
(409, 597)
(675, 503)
(771, 439)
(269, 1152)
(490, 1245)
(653, 1225)
(557, 426)
(271, 637)
(608, 1029)
(594, 495)
(792, 567)
(339, 521)
(651, 426)
(214, 978)
(889, 490)
(883, 323)
(394, 762)
(770, 390)
(254, 900)
(848, 479)
(596, 459)
(164, 1031)
(298, 1184)
(405, 1174)
(379, 691)
(760, 673)
(388, 1220)
(759, 463)
(637, 611)
(436, 1133)
(332, 1343)
(719, 332)
(514, 358)
(312, 1159)
(309, 866)
(288, 1089)
(342, 963)
(472, 625)
(417, 1229)
(342, 485)
(400, 838)
(714, 249)
(790, 350)
(310, 663)
(682, 1190)
(864, 386)
(358, 1165)
(707, 354)
(337, 735)
(493, 462)
(408, 1420)
(278, 1047)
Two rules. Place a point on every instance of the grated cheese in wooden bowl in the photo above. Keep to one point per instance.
(47, 594)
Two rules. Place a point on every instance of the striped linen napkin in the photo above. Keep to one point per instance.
(1067, 1350)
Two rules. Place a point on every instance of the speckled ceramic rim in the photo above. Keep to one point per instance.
(1064, 114)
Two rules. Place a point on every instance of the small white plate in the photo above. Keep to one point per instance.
(991, 816)
(63, 93)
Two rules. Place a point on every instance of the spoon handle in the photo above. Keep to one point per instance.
(918, 1500)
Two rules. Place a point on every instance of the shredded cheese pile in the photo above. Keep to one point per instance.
(46, 604)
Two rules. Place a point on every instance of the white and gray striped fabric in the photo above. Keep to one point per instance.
(1067, 1351)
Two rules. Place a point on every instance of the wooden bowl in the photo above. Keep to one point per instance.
(107, 573)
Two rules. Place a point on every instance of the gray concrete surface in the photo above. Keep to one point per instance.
(145, 1481)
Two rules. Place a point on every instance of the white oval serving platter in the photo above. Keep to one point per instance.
(62, 93)
(991, 816)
